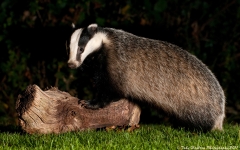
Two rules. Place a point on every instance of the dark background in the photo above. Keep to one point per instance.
(33, 35)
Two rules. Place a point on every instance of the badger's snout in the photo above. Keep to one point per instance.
(72, 65)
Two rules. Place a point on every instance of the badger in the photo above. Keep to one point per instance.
(153, 71)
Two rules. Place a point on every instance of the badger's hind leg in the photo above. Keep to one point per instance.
(218, 123)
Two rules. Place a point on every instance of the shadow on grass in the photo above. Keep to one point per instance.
(10, 129)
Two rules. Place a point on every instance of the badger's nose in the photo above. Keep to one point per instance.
(71, 65)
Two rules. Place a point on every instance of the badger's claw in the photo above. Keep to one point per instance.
(82, 103)
(88, 104)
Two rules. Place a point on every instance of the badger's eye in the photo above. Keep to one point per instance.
(80, 49)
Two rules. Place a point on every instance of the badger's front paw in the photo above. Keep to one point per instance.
(89, 104)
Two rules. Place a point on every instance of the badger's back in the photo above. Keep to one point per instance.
(163, 75)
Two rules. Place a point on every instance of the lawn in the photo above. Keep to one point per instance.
(146, 137)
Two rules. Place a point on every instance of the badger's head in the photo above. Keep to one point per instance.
(83, 42)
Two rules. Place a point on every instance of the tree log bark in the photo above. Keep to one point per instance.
(55, 111)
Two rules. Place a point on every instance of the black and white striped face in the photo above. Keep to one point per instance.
(83, 42)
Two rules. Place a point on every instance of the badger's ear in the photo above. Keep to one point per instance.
(73, 26)
(92, 28)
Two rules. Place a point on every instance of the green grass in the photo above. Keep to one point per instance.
(146, 137)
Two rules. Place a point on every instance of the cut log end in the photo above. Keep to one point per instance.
(55, 111)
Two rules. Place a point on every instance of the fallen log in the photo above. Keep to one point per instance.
(55, 111)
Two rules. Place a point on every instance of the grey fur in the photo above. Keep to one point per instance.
(165, 76)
